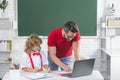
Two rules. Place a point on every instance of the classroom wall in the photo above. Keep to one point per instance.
(11, 10)
(89, 45)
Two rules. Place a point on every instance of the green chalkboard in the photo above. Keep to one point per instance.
(42, 16)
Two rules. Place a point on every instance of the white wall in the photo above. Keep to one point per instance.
(113, 42)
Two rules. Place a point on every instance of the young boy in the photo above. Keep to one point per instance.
(34, 59)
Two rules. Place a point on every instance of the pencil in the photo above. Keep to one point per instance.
(48, 70)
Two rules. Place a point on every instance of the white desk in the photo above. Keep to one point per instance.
(94, 76)
(114, 63)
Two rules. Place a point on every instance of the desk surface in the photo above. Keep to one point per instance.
(94, 76)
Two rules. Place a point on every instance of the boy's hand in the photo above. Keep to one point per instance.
(35, 70)
(40, 70)
(48, 70)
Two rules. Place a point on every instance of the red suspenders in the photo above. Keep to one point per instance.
(31, 61)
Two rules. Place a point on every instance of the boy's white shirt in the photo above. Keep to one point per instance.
(36, 60)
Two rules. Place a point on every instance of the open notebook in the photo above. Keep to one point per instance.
(37, 76)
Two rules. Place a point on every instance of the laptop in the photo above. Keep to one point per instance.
(81, 68)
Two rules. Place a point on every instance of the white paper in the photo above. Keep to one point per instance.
(14, 75)
(36, 76)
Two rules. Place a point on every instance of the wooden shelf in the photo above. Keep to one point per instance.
(6, 40)
(5, 51)
(111, 27)
(4, 62)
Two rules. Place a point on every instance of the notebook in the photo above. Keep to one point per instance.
(81, 68)
(38, 76)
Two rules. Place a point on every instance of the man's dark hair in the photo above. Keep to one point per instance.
(71, 26)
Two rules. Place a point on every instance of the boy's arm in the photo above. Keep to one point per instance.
(30, 69)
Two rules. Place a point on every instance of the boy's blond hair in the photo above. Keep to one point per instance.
(33, 40)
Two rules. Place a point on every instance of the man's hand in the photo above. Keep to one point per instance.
(67, 68)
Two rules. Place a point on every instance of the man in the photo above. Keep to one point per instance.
(61, 41)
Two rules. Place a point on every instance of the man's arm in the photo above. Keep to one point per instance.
(76, 48)
(52, 53)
